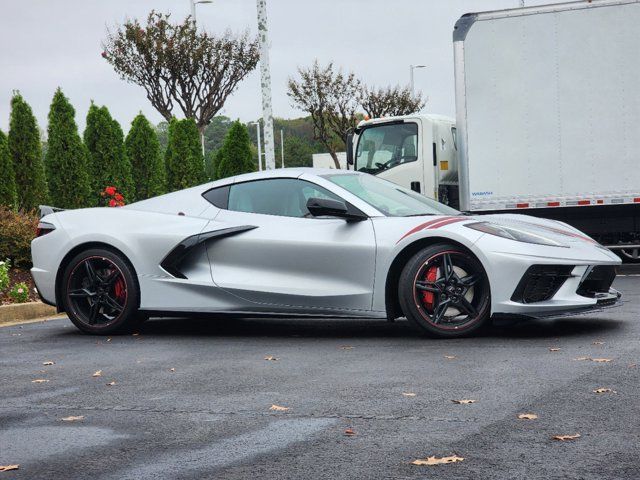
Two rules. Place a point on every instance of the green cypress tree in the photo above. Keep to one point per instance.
(235, 154)
(8, 194)
(184, 162)
(66, 158)
(143, 150)
(26, 153)
(110, 166)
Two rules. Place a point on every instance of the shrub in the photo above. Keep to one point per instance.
(4, 275)
(143, 150)
(183, 158)
(17, 229)
(19, 293)
(235, 154)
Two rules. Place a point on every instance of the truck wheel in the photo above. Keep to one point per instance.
(630, 255)
(99, 293)
(444, 292)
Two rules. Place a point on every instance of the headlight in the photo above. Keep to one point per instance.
(513, 234)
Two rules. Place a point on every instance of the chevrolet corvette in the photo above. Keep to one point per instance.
(310, 242)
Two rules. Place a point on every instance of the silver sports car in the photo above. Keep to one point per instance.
(308, 242)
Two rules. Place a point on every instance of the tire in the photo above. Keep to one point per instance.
(100, 293)
(447, 306)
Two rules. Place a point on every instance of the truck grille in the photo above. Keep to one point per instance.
(598, 280)
(541, 282)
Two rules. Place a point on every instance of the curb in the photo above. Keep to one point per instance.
(24, 312)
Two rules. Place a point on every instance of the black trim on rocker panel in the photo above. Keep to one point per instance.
(171, 262)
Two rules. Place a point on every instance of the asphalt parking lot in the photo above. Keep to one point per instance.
(192, 399)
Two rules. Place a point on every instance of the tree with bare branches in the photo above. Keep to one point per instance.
(390, 101)
(331, 98)
(177, 65)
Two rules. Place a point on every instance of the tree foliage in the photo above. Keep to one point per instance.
(26, 153)
(110, 166)
(235, 155)
(66, 161)
(183, 158)
(390, 101)
(331, 98)
(8, 194)
(297, 152)
(147, 166)
(178, 65)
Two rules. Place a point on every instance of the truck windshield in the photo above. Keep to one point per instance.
(382, 147)
(389, 198)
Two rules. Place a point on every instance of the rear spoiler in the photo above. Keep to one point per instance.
(46, 210)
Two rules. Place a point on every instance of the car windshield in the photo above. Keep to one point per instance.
(391, 199)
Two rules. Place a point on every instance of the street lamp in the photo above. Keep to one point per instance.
(411, 69)
(257, 124)
(193, 8)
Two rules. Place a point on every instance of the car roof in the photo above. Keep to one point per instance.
(294, 172)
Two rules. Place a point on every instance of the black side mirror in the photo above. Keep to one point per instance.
(349, 142)
(325, 207)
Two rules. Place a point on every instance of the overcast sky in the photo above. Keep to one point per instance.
(46, 44)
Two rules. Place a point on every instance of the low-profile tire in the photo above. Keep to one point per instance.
(444, 292)
(100, 293)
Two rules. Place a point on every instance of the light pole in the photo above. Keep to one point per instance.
(193, 19)
(265, 82)
(411, 69)
(257, 124)
(282, 146)
(193, 7)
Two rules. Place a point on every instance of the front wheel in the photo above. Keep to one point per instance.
(99, 293)
(444, 292)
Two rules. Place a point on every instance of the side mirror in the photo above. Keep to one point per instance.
(325, 207)
(349, 142)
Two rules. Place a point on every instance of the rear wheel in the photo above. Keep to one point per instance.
(444, 292)
(100, 293)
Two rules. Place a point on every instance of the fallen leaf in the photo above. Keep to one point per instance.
(408, 394)
(111, 384)
(601, 360)
(109, 339)
(172, 369)
(450, 357)
(349, 432)
(604, 390)
(135, 334)
(39, 380)
(73, 418)
(598, 343)
(564, 438)
(554, 349)
(97, 374)
(527, 416)
(346, 347)
(271, 358)
(6, 468)
(582, 359)
(463, 402)
(278, 408)
(48, 363)
(437, 461)
(632, 365)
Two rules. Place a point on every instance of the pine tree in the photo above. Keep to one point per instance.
(143, 150)
(8, 195)
(184, 162)
(110, 166)
(235, 154)
(66, 158)
(26, 154)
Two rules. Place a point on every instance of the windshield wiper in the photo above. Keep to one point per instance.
(422, 214)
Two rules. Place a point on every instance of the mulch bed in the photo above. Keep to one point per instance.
(16, 276)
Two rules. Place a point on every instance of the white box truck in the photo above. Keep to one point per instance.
(547, 121)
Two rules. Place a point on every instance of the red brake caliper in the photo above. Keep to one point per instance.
(119, 289)
(431, 276)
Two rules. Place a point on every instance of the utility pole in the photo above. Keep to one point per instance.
(411, 69)
(265, 81)
(282, 146)
(257, 124)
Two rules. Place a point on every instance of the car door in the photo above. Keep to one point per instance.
(292, 258)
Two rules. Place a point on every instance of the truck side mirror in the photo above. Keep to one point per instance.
(349, 142)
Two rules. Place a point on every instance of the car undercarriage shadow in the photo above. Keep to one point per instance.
(359, 328)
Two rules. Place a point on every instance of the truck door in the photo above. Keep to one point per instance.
(392, 151)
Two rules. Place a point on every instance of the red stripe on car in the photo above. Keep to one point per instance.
(422, 226)
(447, 222)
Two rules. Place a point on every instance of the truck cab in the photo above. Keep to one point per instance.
(415, 151)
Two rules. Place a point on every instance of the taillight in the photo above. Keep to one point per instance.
(44, 228)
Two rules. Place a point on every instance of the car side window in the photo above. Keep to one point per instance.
(218, 197)
(285, 197)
